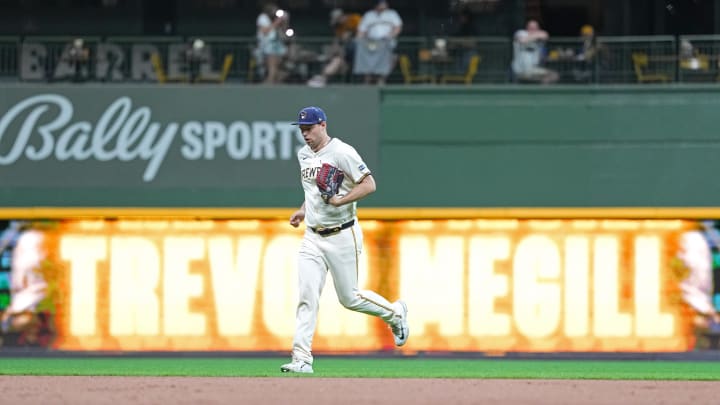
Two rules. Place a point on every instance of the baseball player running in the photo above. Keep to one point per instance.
(334, 177)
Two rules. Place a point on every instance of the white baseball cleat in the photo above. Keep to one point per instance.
(400, 328)
(297, 366)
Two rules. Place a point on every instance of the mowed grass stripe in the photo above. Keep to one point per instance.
(367, 368)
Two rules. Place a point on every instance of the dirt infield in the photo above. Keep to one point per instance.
(320, 391)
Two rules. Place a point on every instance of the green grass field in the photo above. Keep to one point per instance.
(366, 368)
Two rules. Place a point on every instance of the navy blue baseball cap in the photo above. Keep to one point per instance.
(310, 116)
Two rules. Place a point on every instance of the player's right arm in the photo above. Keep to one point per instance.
(298, 216)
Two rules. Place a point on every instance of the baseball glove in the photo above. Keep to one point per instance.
(329, 178)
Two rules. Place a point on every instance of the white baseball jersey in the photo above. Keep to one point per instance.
(336, 253)
(346, 158)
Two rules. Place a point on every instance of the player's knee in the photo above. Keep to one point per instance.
(310, 303)
(350, 302)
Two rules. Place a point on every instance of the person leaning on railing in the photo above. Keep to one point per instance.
(528, 48)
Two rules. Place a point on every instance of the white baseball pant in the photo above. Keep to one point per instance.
(337, 253)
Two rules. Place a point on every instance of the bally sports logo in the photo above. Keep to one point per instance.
(44, 127)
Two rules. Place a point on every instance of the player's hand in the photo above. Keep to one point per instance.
(296, 218)
(335, 201)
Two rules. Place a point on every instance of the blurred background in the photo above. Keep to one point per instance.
(588, 40)
(421, 18)
(545, 172)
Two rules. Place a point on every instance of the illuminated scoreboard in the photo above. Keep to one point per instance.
(470, 285)
(542, 285)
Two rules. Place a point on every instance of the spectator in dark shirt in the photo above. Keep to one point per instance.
(464, 24)
(341, 52)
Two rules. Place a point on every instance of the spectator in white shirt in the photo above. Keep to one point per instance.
(528, 50)
(270, 46)
(377, 35)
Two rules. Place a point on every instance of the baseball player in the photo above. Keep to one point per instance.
(334, 177)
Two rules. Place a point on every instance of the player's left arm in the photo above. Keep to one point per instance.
(362, 189)
(356, 172)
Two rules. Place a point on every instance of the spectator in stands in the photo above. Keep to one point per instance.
(78, 56)
(464, 24)
(690, 58)
(270, 46)
(195, 56)
(341, 52)
(376, 41)
(528, 53)
(687, 50)
(588, 44)
(465, 33)
(582, 59)
(585, 54)
(27, 283)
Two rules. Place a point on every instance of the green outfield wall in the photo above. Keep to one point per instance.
(529, 147)
(232, 146)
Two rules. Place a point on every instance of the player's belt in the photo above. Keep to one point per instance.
(323, 231)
